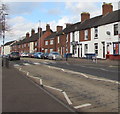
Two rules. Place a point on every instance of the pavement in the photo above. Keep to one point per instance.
(89, 61)
(19, 94)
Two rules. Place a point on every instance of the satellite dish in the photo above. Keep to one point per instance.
(108, 32)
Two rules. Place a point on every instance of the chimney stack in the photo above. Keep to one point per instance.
(59, 28)
(107, 8)
(32, 32)
(27, 35)
(85, 16)
(47, 27)
(39, 30)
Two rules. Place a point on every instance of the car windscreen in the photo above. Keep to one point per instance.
(55, 53)
(15, 53)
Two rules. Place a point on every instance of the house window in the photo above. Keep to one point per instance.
(116, 48)
(96, 48)
(24, 45)
(28, 45)
(58, 49)
(86, 35)
(96, 32)
(58, 39)
(67, 38)
(116, 29)
(86, 48)
(46, 42)
(36, 43)
(51, 42)
(46, 50)
(51, 50)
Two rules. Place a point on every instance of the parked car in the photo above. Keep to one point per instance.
(24, 55)
(14, 56)
(31, 55)
(45, 56)
(54, 56)
(38, 55)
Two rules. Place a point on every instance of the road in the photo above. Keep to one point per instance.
(99, 70)
(22, 95)
(86, 92)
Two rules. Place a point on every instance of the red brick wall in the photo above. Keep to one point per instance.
(41, 40)
(82, 35)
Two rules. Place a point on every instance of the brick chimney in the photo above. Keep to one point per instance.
(32, 32)
(59, 28)
(39, 30)
(106, 8)
(27, 35)
(47, 27)
(85, 16)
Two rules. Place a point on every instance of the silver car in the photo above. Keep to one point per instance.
(54, 56)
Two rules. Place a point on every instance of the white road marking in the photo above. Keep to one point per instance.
(53, 88)
(63, 70)
(20, 69)
(41, 82)
(81, 106)
(45, 62)
(16, 65)
(26, 64)
(36, 63)
(27, 73)
(67, 98)
(85, 75)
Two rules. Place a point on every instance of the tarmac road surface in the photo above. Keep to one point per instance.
(22, 95)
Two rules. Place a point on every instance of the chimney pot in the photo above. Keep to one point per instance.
(59, 28)
(47, 27)
(32, 32)
(27, 35)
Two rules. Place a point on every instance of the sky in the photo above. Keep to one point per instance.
(27, 15)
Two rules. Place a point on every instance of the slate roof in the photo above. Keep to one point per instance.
(8, 43)
(32, 38)
(53, 35)
(93, 22)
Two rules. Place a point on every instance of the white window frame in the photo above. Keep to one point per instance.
(51, 42)
(46, 50)
(96, 33)
(96, 48)
(51, 50)
(58, 39)
(67, 38)
(36, 43)
(46, 43)
(86, 48)
(86, 35)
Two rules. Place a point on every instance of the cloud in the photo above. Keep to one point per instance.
(54, 11)
(22, 7)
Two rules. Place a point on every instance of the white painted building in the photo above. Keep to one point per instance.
(7, 48)
(102, 39)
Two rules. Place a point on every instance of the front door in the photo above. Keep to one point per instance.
(103, 49)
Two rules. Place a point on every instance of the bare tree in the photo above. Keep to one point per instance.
(3, 27)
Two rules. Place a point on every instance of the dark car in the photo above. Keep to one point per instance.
(14, 56)
(45, 56)
(31, 55)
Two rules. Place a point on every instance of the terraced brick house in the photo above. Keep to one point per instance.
(98, 35)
